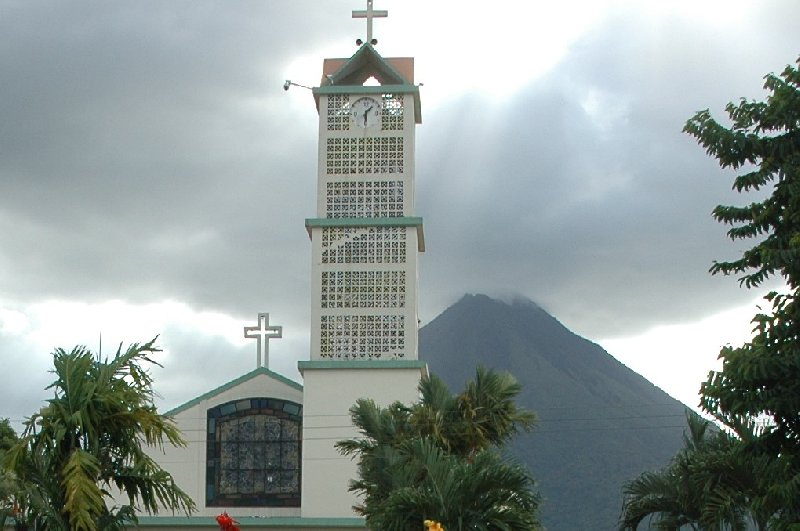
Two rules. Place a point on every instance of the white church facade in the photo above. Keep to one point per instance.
(262, 446)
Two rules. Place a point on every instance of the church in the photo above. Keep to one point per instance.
(262, 446)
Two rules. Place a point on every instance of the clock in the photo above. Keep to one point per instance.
(365, 112)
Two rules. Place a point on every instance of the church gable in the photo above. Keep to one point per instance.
(243, 446)
(255, 383)
(367, 63)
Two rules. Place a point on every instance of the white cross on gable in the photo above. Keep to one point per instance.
(369, 14)
(263, 332)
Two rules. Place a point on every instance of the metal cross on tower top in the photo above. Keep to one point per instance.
(369, 14)
(262, 332)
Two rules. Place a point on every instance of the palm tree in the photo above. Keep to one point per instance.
(482, 493)
(716, 481)
(90, 439)
(439, 459)
(7, 481)
(679, 494)
(485, 414)
(658, 493)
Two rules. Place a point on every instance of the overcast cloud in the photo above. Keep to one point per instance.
(155, 177)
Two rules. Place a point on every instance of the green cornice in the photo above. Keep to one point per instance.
(251, 521)
(366, 89)
(362, 364)
(233, 383)
(411, 221)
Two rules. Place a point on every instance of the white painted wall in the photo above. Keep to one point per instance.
(188, 465)
(329, 394)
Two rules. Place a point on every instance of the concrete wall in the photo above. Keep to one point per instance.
(188, 465)
(329, 395)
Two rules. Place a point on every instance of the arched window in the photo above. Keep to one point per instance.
(253, 453)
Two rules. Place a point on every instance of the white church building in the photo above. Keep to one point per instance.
(262, 446)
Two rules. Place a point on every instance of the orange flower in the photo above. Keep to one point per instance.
(433, 525)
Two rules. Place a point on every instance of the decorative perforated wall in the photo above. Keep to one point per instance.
(338, 112)
(370, 245)
(362, 336)
(392, 113)
(365, 199)
(363, 289)
(358, 156)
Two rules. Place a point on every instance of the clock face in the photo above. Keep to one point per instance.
(365, 112)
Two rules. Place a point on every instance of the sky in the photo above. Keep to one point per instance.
(155, 176)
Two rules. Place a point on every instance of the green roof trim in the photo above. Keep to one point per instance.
(362, 364)
(410, 221)
(364, 63)
(233, 383)
(366, 89)
(251, 521)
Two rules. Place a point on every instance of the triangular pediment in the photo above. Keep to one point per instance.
(366, 63)
(268, 382)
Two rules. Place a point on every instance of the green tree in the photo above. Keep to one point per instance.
(439, 459)
(90, 440)
(483, 415)
(714, 482)
(669, 496)
(760, 380)
(8, 438)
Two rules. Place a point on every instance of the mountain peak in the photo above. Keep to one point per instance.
(511, 300)
(600, 423)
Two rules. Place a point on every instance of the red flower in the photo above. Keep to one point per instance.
(226, 523)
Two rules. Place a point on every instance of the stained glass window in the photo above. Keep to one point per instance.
(253, 453)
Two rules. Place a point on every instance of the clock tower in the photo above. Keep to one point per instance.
(365, 240)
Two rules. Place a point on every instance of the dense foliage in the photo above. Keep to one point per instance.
(89, 442)
(760, 380)
(751, 470)
(439, 459)
(762, 377)
(8, 438)
(714, 482)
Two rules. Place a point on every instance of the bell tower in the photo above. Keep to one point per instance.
(365, 241)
